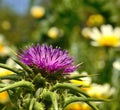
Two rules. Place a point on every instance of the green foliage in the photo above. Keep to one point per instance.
(70, 17)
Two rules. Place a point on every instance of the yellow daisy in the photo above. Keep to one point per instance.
(106, 36)
(85, 81)
(4, 72)
(37, 11)
(4, 49)
(1, 48)
(78, 106)
(54, 33)
(95, 20)
(6, 25)
(4, 97)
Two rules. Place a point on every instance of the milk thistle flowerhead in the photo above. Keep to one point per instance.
(41, 66)
(106, 36)
(48, 59)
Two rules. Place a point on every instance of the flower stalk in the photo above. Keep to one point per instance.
(32, 102)
(25, 67)
(11, 77)
(22, 83)
(68, 86)
(17, 71)
(87, 100)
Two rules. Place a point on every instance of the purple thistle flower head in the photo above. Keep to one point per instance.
(48, 59)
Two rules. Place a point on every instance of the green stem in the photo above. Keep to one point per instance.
(52, 97)
(25, 67)
(79, 76)
(79, 99)
(38, 106)
(3, 85)
(32, 102)
(54, 101)
(92, 106)
(11, 77)
(68, 86)
(106, 72)
(8, 68)
(18, 84)
(38, 92)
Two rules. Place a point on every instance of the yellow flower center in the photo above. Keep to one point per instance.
(95, 93)
(1, 48)
(78, 106)
(53, 33)
(4, 97)
(84, 83)
(5, 72)
(37, 12)
(108, 41)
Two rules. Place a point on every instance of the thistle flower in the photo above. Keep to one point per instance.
(48, 59)
(107, 37)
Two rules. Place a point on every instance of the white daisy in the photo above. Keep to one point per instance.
(106, 36)
(4, 48)
(54, 32)
(116, 64)
(100, 91)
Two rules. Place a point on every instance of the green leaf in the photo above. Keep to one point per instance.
(15, 70)
(79, 76)
(11, 77)
(39, 106)
(32, 102)
(51, 97)
(25, 67)
(22, 83)
(68, 86)
(80, 99)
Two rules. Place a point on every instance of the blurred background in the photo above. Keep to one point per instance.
(65, 23)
